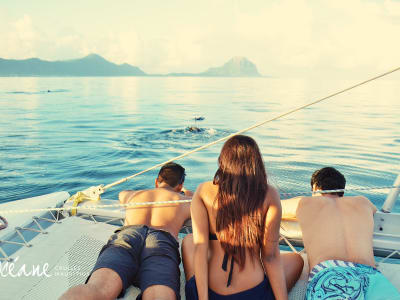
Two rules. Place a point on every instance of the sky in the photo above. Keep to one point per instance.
(282, 37)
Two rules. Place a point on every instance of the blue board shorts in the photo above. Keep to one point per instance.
(262, 291)
(142, 256)
(336, 279)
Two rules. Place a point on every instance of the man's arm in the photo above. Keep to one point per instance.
(125, 196)
(186, 209)
(186, 206)
(369, 203)
(289, 208)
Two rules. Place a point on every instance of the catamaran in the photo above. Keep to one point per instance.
(51, 242)
(44, 253)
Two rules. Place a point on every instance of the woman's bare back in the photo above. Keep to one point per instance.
(251, 274)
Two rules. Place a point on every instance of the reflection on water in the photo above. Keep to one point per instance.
(90, 131)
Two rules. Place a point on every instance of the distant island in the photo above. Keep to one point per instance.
(95, 65)
(91, 65)
(235, 67)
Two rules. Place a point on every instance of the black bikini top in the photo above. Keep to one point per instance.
(213, 237)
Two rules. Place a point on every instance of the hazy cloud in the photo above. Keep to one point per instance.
(287, 36)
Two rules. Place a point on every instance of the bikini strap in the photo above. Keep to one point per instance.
(225, 263)
(230, 274)
(225, 268)
(212, 237)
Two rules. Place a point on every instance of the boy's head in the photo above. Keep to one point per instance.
(328, 179)
(172, 174)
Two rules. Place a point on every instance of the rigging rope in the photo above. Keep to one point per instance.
(341, 190)
(104, 188)
(94, 192)
(118, 205)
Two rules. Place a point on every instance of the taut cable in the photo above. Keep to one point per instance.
(247, 129)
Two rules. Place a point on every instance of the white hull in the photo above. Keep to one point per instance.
(70, 247)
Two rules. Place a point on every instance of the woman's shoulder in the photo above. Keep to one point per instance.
(207, 191)
(206, 186)
(272, 191)
(272, 197)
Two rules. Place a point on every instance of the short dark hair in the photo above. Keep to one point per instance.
(171, 173)
(328, 179)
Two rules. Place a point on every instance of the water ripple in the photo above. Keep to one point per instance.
(99, 130)
(39, 92)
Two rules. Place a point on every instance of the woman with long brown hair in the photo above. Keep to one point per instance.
(236, 220)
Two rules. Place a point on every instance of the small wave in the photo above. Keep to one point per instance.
(19, 92)
(177, 139)
(83, 126)
(194, 132)
(39, 92)
(211, 131)
(56, 91)
(15, 136)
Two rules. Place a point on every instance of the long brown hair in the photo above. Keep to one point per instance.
(242, 186)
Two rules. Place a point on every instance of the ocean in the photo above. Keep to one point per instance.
(67, 134)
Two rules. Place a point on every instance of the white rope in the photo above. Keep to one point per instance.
(131, 204)
(342, 190)
(91, 207)
(247, 129)
(102, 189)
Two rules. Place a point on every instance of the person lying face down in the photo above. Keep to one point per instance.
(234, 250)
(337, 234)
(145, 252)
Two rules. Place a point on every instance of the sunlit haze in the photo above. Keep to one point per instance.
(287, 37)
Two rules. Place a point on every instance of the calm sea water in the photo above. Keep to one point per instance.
(91, 131)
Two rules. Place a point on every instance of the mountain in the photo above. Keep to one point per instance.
(236, 67)
(91, 65)
(95, 65)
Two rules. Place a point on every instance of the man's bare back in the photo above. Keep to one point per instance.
(145, 254)
(337, 235)
(168, 217)
(337, 228)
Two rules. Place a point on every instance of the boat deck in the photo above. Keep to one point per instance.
(71, 248)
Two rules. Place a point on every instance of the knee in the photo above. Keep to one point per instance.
(74, 293)
(158, 292)
(299, 262)
(300, 259)
(294, 262)
(88, 292)
(161, 297)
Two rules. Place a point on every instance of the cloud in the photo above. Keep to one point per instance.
(392, 8)
(19, 38)
(281, 37)
(328, 35)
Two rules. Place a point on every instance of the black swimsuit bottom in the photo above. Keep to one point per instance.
(213, 237)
